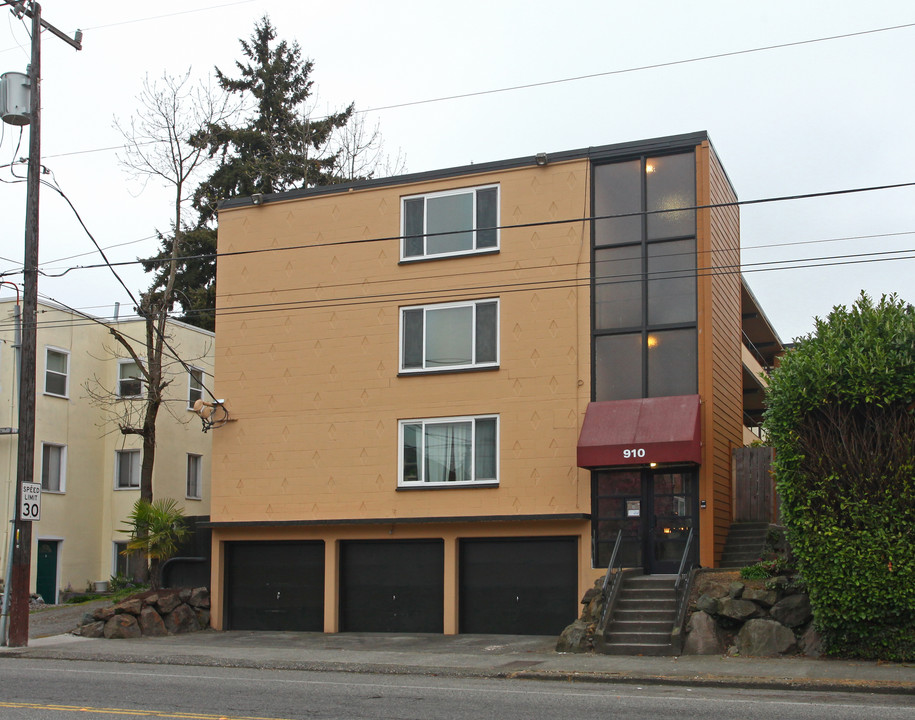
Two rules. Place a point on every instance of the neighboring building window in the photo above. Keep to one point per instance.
(644, 269)
(449, 451)
(56, 372)
(126, 566)
(127, 469)
(194, 470)
(451, 336)
(454, 222)
(53, 467)
(194, 386)
(129, 379)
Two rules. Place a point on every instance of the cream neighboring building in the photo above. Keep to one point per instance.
(89, 471)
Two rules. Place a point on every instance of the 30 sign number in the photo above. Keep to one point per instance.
(630, 453)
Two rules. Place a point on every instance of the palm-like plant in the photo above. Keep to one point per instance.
(155, 529)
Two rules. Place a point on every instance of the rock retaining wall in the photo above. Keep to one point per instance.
(755, 618)
(150, 614)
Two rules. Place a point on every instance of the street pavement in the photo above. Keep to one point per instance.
(493, 656)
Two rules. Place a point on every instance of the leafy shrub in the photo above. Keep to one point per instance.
(759, 571)
(841, 416)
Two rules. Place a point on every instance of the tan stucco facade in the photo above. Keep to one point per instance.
(310, 291)
(85, 516)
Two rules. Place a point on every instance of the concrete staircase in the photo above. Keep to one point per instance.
(744, 544)
(643, 617)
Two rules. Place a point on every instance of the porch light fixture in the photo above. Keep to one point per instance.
(541, 159)
(257, 198)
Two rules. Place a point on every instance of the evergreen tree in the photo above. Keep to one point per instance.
(276, 147)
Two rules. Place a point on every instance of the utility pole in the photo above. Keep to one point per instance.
(20, 579)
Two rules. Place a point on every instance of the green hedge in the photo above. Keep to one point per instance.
(841, 416)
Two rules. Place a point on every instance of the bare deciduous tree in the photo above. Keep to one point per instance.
(158, 146)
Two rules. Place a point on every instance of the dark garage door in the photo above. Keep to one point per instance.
(275, 586)
(519, 586)
(392, 586)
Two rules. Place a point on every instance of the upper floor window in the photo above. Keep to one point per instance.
(127, 469)
(194, 386)
(453, 222)
(449, 451)
(56, 372)
(449, 336)
(130, 383)
(194, 476)
(53, 467)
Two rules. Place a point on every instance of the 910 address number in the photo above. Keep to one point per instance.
(634, 453)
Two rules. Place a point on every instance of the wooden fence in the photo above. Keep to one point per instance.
(755, 499)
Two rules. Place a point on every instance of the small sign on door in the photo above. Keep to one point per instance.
(30, 507)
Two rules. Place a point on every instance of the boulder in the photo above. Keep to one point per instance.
(203, 618)
(810, 643)
(711, 586)
(703, 636)
(184, 594)
(121, 626)
(707, 604)
(735, 590)
(765, 638)
(182, 619)
(104, 613)
(761, 596)
(792, 611)
(151, 623)
(576, 638)
(199, 597)
(167, 602)
(737, 609)
(132, 606)
(91, 630)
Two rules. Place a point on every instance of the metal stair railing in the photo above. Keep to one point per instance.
(611, 585)
(676, 636)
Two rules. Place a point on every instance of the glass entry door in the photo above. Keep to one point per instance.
(655, 509)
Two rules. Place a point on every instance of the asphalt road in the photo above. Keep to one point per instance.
(57, 690)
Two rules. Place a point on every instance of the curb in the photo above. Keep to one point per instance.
(883, 687)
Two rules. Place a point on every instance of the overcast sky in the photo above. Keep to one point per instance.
(808, 117)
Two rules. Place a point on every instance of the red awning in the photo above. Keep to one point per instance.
(638, 432)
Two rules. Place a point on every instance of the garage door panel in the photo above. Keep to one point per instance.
(524, 586)
(392, 586)
(275, 586)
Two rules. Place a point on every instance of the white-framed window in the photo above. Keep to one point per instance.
(194, 476)
(130, 379)
(449, 336)
(127, 469)
(453, 222)
(449, 451)
(53, 468)
(194, 386)
(56, 372)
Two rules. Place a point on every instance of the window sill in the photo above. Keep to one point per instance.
(191, 497)
(448, 486)
(55, 395)
(448, 371)
(449, 256)
(53, 492)
(133, 487)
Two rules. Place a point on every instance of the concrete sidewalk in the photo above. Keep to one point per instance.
(494, 656)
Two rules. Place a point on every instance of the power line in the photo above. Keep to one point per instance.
(638, 68)
(515, 226)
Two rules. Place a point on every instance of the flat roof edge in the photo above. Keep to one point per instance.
(600, 152)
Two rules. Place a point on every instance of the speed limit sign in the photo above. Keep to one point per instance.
(30, 507)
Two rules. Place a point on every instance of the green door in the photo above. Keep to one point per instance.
(46, 582)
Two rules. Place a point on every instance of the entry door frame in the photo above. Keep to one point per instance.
(643, 542)
(58, 545)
